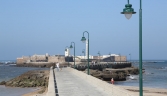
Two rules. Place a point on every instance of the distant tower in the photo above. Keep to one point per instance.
(67, 52)
(86, 49)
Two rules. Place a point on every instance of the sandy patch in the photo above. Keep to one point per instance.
(39, 92)
(146, 91)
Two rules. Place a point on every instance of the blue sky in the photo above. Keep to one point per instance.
(30, 27)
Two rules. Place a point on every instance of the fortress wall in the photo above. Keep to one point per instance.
(22, 60)
(56, 59)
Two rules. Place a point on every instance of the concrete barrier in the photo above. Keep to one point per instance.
(51, 85)
(112, 89)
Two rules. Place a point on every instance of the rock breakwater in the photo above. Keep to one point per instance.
(107, 71)
(35, 78)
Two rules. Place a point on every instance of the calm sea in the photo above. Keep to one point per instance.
(8, 72)
(155, 75)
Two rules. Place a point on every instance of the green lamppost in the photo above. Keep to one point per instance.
(74, 52)
(67, 49)
(128, 11)
(83, 40)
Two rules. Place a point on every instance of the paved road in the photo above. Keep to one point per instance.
(71, 85)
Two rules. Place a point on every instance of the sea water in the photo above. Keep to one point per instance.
(8, 72)
(155, 75)
(11, 91)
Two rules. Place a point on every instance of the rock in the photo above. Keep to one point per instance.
(30, 79)
(2, 83)
(117, 74)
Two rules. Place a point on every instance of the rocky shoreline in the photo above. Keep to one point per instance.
(117, 74)
(34, 78)
(106, 71)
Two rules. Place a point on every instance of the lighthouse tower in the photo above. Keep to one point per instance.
(67, 52)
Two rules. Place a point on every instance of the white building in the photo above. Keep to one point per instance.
(67, 52)
(114, 55)
(85, 57)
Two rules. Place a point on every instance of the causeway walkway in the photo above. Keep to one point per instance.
(70, 84)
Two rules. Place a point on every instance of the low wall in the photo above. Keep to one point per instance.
(51, 84)
(113, 89)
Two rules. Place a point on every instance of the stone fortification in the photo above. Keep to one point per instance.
(39, 60)
(56, 58)
(22, 60)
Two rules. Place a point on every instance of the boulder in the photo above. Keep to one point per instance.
(2, 83)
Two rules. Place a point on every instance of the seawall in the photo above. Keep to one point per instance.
(51, 84)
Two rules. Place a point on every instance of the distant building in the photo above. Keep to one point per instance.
(56, 58)
(41, 58)
(115, 58)
(23, 60)
(84, 57)
(68, 58)
(67, 52)
(119, 58)
(38, 58)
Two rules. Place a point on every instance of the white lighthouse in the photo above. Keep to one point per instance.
(67, 52)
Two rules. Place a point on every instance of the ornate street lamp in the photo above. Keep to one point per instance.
(128, 11)
(83, 40)
(74, 51)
